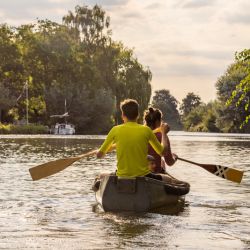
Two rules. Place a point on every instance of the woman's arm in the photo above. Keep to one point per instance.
(170, 158)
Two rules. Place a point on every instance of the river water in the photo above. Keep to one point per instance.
(59, 212)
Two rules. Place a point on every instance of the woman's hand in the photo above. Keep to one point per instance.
(164, 128)
(175, 157)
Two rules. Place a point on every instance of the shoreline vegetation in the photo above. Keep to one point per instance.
(46, 64)
(30, 129)
(38, 129)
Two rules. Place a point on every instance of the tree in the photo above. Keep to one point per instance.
(89, 26)
(10, 70)
(77, 61)
(189, 102)
(241, 93)
(202, 118)
(231, 115)
(193, 120)
(167, 103)
(133, 81)
(7, 101)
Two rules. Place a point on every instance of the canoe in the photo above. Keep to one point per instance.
(140, 194)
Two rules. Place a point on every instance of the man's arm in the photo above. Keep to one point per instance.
(107, 144)
(100, 154)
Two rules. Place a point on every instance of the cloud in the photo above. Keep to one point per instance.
(191, 69)
(154, 6)
(193, 4)
(196, 53)
(50, 9)
(136, 15)
(185, 67)
(239, 18)
(30, 10)
(108, 2)
(184, 42)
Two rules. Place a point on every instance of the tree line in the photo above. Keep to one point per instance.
(229, 113)
(78, 61)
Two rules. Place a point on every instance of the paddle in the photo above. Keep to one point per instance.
(223, 172)
(53, 167)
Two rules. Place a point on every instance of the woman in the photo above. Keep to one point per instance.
(153, 119)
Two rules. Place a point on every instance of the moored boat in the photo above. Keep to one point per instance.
(138, 194)
(63, 129)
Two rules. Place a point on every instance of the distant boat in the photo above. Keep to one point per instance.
(63, 128)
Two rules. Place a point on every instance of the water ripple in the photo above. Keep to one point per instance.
(60, 212)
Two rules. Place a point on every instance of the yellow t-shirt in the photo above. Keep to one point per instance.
(131, 141)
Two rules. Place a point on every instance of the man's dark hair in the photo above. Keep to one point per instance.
(129, 108)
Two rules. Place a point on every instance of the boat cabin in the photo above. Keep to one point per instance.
(63, 129)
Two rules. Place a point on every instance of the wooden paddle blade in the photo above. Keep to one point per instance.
(234, 175)
(50, 168)
(53, 167)
(227, 173)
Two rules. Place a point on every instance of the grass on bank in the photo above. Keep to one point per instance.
(23, 129)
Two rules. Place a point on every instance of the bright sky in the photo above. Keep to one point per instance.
(187, 44)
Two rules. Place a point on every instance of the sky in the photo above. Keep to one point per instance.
(187, 44)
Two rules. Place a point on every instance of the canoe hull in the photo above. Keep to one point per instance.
(139, 194)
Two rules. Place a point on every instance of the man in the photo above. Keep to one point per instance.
(132, 141)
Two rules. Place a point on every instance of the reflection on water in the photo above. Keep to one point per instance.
(59, 212)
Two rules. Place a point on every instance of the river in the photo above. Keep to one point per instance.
(59, 212)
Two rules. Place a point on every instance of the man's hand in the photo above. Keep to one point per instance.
(99, 154)
(165, 128)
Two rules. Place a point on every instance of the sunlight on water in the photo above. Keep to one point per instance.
(60, 213)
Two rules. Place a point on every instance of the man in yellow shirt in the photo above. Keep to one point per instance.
(132, 141)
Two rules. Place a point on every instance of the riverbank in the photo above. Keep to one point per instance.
(29, 129)
(37, 129)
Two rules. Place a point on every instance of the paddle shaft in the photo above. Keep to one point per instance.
(195, 163)
(209, 167)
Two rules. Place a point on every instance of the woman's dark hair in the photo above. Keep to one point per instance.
(130, 108)
(151, 116)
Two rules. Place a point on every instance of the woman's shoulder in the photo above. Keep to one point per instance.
(157, 133)
(146, 128)
(157, 130)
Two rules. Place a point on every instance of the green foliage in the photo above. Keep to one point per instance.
(23, 129)
(5, 129)
(6, 99)
(189, 102)
(202, 118)
(77, 61)
(164, 101)
(241, 93)
(194, 118)
(233, 112)
(209, 119)
(89, 25)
